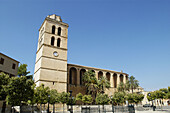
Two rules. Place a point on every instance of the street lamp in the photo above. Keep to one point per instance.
(149, 94)
(48, 110)
(71, 110)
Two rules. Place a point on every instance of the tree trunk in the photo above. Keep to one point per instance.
(31, 108)
(53, 108)
(40, 108)
(3, 107)
(63, 108)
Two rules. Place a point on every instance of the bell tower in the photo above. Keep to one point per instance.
(51, 55)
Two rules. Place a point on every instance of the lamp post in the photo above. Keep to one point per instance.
(48, 110)
(71, 110)
(149, 94)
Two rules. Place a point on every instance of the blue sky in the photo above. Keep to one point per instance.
(128, 35)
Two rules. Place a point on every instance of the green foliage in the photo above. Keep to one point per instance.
(132, 83)
(54, 96)
(4, 80)
(87, 99)
(102, 99)
(118, 98)
(134, 97)
(71, 101)
(19, 89)
(121, 87)
(152, 96)
(91, 82)
(64, 97)
(79, 97)
(103, 83)
(22, 70)
(41, 94)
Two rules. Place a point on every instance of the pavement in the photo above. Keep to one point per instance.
(164, 111)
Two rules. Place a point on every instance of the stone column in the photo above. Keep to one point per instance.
(78, 76)
(111, 80)
(124, 79)
(96, 73)
(118, 80)
(104, 74)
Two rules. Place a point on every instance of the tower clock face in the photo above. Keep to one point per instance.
(55, 53)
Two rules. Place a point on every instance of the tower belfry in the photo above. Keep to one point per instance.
(51, 55)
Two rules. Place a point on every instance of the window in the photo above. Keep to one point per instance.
(58, 42)
(52, 41)
(13, 66)
(53, 29)
(59, 31)
(2, 61)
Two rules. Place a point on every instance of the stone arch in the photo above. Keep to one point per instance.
(115, 80)
(100, 74)
(59, 31)
(52, 41)
(73, 76)
(53, 29)
(58, 42)
(82, 71)
(121, 78)
(108, 76)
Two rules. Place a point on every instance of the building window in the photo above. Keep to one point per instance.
(13, 66)
(58, 42)
(53, 29)
(59, 31)
(2, 61)
(52, 41)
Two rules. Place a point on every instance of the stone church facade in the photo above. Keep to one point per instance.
(51, 67)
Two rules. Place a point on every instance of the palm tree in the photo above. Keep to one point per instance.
(103, 83)
(132, 83)
(91, 83)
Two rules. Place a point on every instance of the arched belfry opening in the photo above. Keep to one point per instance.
(115, 80)
(121, 78)
(53, 29)
(52, 41)
(82, 71)
(59, 31)
(58, 42)
(100, 74)
(73, 76)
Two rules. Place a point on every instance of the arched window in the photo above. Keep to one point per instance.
(58, 42)
(115, 80)
(53, 29)
(100, 75)
(59, 31)
(52, 41)
(73, 76)
(82, 71)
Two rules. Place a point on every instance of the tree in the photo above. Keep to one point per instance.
(87, 99)
(121, 87)
(118, 98)
(22, 71)
(64, 98)
(132, 83)
(41, 94)
(91, 83)
(103, 83)
(4, 80)
(32, 99)
(79, 97)
(19, 90)
(102, 99)
(54, 98)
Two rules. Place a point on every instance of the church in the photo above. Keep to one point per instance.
(52, 68)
